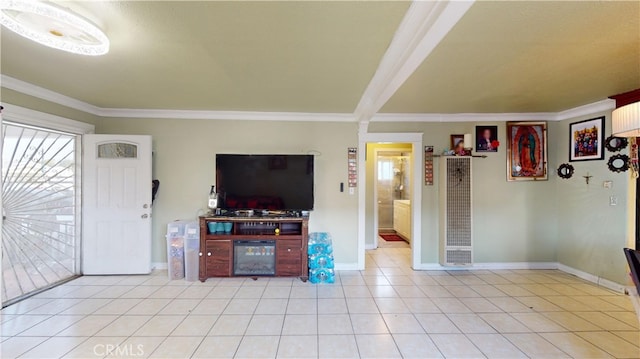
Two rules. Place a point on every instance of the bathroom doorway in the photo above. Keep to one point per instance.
(368, 143)
(392, 191)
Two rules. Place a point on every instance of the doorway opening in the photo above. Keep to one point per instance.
(367, 217)
(392, 193)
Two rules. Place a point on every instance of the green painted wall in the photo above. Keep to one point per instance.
(556, 220)
(512, 221)
(591, 233)
(184, 162)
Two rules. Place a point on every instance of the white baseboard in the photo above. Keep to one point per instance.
(337, 266)
(593, 278)
(346, 266)
(491, 266)
(517, 265)
(159, 265)
(369, 246)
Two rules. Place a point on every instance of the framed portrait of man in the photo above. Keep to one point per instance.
(487, 139)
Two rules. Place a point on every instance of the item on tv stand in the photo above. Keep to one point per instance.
(244, 213)
(213, 199)
(268, 213)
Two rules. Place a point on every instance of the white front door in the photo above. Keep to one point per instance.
(116, 207)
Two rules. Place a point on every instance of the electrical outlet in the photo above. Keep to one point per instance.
(613, 201)
(352, 190)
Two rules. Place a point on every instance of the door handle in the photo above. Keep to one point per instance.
(144, 216)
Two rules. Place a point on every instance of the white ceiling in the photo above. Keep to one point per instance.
(329, 57)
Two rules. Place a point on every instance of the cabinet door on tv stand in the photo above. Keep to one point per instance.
(218, 258)
(289, 258)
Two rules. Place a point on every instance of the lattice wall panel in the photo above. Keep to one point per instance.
(458, 202)
(456, 211)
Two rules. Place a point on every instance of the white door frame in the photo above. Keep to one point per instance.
(415, 139)
(376, 215)
(27, 116)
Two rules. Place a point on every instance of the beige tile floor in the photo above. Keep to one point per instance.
(385, 311)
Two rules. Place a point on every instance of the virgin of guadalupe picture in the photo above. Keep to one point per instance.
(527, 151)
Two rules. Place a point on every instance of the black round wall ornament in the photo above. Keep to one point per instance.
(565, 171)
(618, 163)
(615, 144)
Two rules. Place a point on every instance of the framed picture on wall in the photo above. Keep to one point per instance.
(459, 147)
(587, 140)
(455, 140)
(487, 139)
(527, 151)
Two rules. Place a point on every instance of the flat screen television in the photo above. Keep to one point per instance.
(271, 182)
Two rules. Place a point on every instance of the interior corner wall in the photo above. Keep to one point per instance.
(513, 222)
(591, 232)
(184, 162)
(369, 185)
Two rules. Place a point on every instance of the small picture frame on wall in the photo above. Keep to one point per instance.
(457, 140)
(527, 151)
(587, 140)
(487, 139)
(459, 147)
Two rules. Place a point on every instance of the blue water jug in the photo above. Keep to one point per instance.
(319, 243)
(322, 275)
(320, 261)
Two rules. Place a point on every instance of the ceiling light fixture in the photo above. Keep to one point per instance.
(52, 26)
(625, 120)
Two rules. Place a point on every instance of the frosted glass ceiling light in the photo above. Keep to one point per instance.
(625, 120)
(52, 26)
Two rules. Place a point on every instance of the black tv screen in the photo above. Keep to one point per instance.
(271, 182)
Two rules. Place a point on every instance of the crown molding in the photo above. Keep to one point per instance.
(55, 97)
(227, 115)
(585, 110)
(463, 117)
(25, 116)
(47, 95)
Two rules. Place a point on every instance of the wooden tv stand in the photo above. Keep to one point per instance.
(289, 233)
